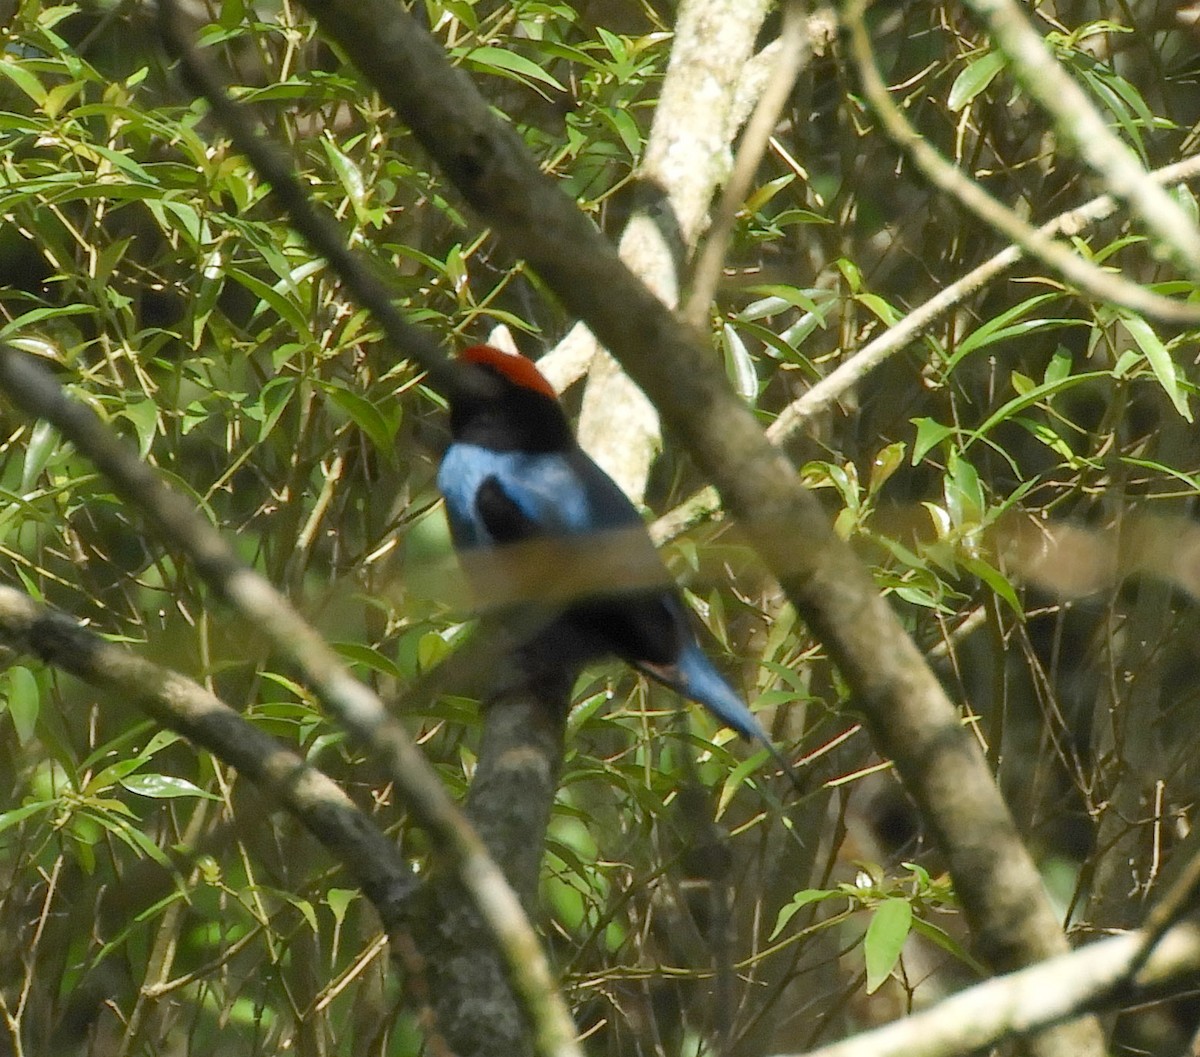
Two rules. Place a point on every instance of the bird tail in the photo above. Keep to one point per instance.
(694, 676)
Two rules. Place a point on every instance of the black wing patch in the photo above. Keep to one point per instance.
(504, 520)
(640, 627)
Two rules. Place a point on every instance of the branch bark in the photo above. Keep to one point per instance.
(1098, 977)
(687, 156)
(509, 804)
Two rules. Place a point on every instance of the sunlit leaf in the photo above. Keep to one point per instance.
(1161, 363)
(164, 787)
(884, 940)
(797, 903)
(505, 63)
(974, 78)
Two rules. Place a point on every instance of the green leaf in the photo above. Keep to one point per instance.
(137, 840)
(889, 928)
(737, 778)
(1030, 397)
(339, 900)
(349, 174)
(777, 297)
(798, 902)
(24, 701)
(285, 309)
(232, 13)
(1011, 324)
(947, 942)
(164, 787)
(431, 648)
(144, 416)
(762, 195)
(739, 366)
(23, 79)
(20, 814)
(372, 659)
(626, 129)
(997, 581)
(1160, 361)
(1058, 368)
(974, 78)
(35, 315)
(889, 314)
(367, 417)
(43, 443)
(929, 435)
(965, 499)
(505, 63)
(886, 462)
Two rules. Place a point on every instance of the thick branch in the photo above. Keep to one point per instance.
(1095, 978)
(181, 705)
(509, 803)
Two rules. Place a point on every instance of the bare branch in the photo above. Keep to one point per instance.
(1079, 125)
(1103, 286)
(788, 62)
(1091, 979)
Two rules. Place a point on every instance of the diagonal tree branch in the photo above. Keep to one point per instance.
(1099, 977)
(1077, 124)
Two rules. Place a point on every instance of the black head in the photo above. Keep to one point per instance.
(515, 409)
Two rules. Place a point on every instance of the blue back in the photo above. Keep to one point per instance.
(563, 493)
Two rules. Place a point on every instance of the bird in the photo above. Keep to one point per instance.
(515, 476)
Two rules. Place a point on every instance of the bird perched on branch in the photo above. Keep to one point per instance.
(533, 517)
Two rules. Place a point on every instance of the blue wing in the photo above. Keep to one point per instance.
(555, 494)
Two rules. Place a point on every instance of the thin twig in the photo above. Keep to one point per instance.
(1078, 124)
(1180, 899)
(1092, 281)
(793, 52)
